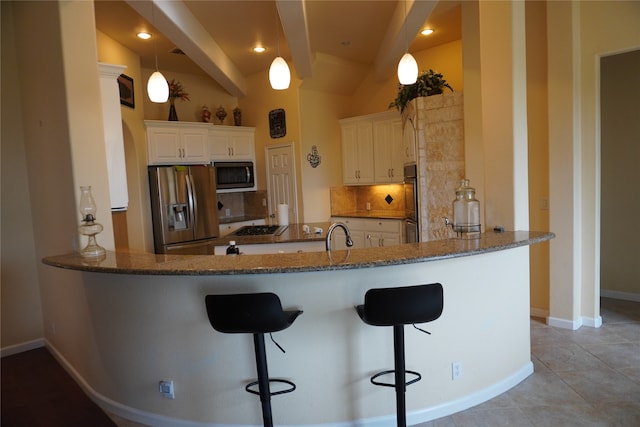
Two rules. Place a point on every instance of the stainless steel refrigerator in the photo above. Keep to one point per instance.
(184, 209)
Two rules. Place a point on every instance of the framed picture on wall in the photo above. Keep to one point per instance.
(277, 123)
(125, 84)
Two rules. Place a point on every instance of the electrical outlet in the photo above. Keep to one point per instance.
(456, 370)
(544, 204)
(166, 389)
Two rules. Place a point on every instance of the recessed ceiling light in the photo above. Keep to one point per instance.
(426, 31)
(259, 49)
(144, 35)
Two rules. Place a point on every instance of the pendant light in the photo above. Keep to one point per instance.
(157, 86)
(407, 67)
(279, 74)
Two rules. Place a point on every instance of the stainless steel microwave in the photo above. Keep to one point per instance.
(235, 176)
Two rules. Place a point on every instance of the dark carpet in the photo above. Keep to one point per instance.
(37, 392)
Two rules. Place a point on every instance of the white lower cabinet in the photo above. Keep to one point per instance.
(367, 232)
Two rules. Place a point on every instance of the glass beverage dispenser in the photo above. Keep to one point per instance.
(466, 212)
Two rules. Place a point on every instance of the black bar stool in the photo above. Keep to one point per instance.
(256, 314)
(398, 307)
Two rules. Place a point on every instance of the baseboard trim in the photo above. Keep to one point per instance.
(627, 296)
(538, 312)
(592, 322)
(413, 417)
(22, 347)
(564, 323)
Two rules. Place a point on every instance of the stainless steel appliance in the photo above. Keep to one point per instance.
(260, 230)
(235, 176)
(184, 209)
(412, 229)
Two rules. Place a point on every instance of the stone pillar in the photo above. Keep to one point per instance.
(440, 160)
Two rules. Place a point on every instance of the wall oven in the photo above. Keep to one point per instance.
(235, 176)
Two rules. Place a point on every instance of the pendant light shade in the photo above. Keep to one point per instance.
(158, 88)
(407, 69)
(279, 74)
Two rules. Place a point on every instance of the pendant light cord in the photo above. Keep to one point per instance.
(406, 38)
(155, 42)
(277, 30)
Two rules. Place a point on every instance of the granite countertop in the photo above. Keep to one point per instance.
(194, 265)
(377, 214)
(293, 233)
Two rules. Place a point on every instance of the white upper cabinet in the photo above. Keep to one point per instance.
(372, 149)
(232, 143)
(357, 153)
(409, 141)
(177, 142)
(388, 159)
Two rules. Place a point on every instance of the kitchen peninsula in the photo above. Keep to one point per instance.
(150, 323)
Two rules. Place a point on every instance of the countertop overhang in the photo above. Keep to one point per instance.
(203, 265)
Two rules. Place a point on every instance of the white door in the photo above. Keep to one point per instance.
(281, 180)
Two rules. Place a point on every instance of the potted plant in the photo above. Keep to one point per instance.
(176, 91)
(428, 83)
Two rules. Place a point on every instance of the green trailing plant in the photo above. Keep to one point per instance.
(428, 83)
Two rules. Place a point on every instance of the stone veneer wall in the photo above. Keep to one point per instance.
(440, 160)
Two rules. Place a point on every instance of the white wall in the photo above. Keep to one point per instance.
(21, 308)
(578, 33)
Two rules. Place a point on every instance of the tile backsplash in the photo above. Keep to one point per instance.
(388, 198)
(242, 205)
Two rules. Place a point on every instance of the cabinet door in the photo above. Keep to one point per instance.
(396, 151)
(242, 147)
(357, 153)
(349, 154)
(388, 151)
(365, 153)
(219, 146)
(409, 142)
(194, 145)
(381, 143)
(339, 241)
(164, 145)
(389, 239)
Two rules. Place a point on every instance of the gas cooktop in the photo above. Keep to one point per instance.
(260, 230)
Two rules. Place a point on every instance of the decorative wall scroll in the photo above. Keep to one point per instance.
(314, 158)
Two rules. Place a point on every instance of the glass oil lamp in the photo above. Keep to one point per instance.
(89, 226)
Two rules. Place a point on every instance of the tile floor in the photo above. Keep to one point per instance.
(588, 377)
(583, 378)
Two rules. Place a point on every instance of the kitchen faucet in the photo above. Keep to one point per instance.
(348, 242)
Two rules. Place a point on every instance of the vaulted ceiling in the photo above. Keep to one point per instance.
(330, 44)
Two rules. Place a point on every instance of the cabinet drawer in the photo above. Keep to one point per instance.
(391, 226)
(352, 223)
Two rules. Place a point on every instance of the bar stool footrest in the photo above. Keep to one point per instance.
(415, 380)
(273, 393)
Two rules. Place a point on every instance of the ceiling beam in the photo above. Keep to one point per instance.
(174, 20)
(296, 30)
(402, 29)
